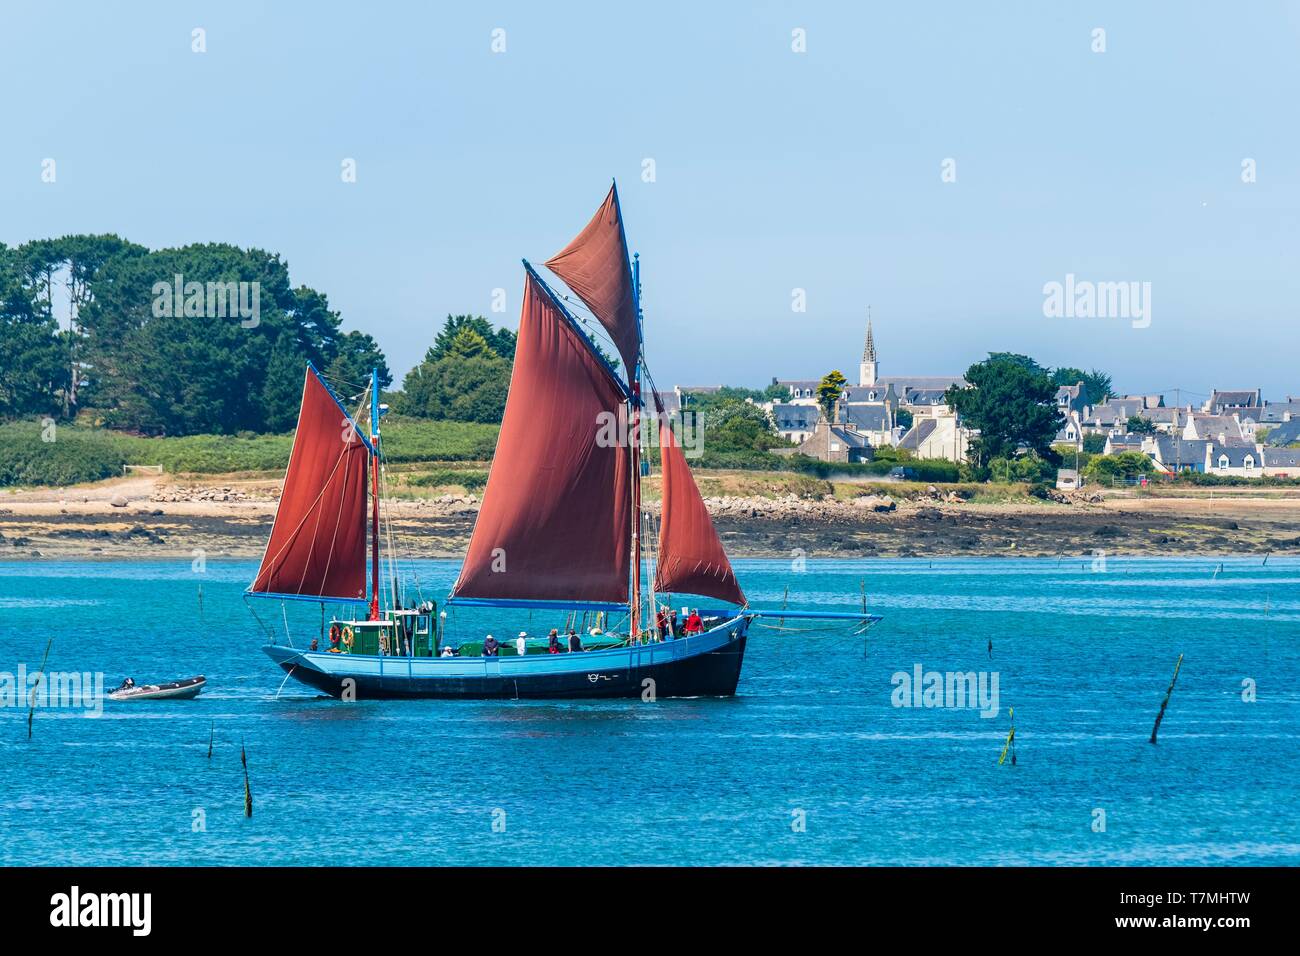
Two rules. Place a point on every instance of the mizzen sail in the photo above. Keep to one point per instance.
(595, 266)
(555, 521)
(318, 542)
(691, 557)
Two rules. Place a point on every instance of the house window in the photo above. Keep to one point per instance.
(1250, 462)
(835, 446)
(1223, 461)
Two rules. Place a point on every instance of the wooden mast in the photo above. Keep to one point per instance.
(374, 529)
(634, 436)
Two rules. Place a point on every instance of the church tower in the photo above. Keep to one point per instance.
(869, 370)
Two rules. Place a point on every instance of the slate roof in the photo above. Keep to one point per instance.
(1288, 433)
(1224, 428)
(795, 417)
(1170, 450)
(1281, 457)
(1236, 455)
(918, 433)
(924, 396)
(902, 383)
(1274, 412)
(870, 418)
(1233, 399)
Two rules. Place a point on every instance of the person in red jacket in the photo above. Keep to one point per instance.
(693, 623)
(661, 623)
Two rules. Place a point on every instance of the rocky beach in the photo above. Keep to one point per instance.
(146, 517)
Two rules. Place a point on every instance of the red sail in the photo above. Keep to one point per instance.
(691, 557)
(555, 523)
(318, 543)
(595, 266)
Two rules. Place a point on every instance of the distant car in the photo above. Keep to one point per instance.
(901, 474)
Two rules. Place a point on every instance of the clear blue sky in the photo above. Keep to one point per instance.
(775, 170)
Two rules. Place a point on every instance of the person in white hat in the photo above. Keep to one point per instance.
(521, 643)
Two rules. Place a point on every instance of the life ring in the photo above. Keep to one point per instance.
(383, 643)
(348, 638)
(334, 635)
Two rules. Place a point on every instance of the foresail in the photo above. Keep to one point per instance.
(595, 266)
(555, 521)
(318, 542)
(691, 557)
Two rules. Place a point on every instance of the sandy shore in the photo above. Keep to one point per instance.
(145, 517)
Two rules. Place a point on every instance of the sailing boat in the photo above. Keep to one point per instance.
(561, 529)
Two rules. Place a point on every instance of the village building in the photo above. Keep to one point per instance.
(1274, 413)
(1071, 431)
(1173, 454)
(1225, 403)
(1240, 461)
(1280, 462)
(1287, 433)
(1068, 479)
(1071, 398)
(794, 422)
(836, 441)
(1117, 444)
(1171, 420)
(1224, 429)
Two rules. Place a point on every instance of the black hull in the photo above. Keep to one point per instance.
(711, 674)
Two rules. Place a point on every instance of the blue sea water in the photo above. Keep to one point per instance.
(813, 736)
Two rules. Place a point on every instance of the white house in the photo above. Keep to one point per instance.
(1241, 461)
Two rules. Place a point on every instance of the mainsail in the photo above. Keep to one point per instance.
(555, 520)
(318, 542)
(691, 557)
(595, 266)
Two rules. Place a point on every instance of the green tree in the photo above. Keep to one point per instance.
(1012, 402)
(1140, 426)
(829, 391)
(500, 341)
(1096, 384)
(32, 371)
(1127, 464)
(355, 354)
(737, 425)
(282, 387)
(159, 370)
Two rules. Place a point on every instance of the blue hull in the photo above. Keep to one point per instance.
(705, 665)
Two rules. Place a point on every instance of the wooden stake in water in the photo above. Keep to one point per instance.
(1165, 703)
(212, 732)
(1011, 740)
(248, 791)
(40, 676)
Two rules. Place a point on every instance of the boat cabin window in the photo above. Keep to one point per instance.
(422, 624)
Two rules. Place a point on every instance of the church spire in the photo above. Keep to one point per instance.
(869, 370)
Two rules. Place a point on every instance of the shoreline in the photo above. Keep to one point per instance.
(137, 518)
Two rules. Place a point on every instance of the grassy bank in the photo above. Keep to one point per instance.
(70, 454)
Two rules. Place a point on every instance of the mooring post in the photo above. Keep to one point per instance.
(248, 791)
(1011, 740)
(40, 676)
(1165, 703)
